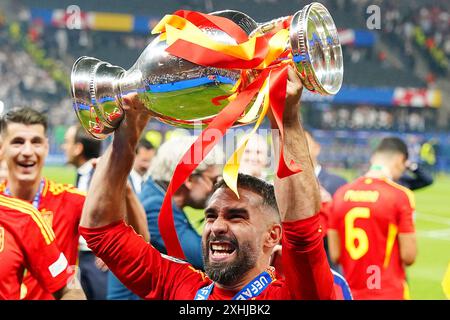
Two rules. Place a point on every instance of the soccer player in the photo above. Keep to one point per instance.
(194, 193)
(371, 231)
(239, 234)
(28, 242)
(25, 147)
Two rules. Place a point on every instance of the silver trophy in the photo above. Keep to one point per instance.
(180, 93)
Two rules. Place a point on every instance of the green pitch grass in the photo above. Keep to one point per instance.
(61, 174)
(433, 233)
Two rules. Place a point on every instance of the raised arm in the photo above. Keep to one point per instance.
(298, 196)
(135, 213)
(307, 272)
(106, 204)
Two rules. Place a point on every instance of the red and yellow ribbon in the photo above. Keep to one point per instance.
(266, 53)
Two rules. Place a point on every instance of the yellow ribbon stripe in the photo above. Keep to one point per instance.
(169, 19)
(277, 45)
(253, 112)
(231, 168)
(175, 27)
(180, 28)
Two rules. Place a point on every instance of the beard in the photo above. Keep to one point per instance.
(228, 273)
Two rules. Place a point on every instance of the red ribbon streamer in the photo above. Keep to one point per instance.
(277, 93)
(229, 115)
(221, 123)
(204, 20)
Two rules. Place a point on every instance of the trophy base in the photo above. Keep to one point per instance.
(96, 95)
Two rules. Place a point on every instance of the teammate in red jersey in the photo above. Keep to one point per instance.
(371, 227)
(27, 241)
(25, 147)
(239, 234)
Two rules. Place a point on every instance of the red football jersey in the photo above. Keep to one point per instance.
(368, 214)
(27, 242)
(61, 206)
(151, 275)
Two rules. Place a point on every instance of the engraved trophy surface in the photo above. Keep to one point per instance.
(180, 93)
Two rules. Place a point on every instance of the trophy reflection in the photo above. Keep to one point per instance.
(180, 93)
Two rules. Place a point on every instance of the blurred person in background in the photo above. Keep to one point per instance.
(255, 160)
(25, 148)
(415, 177)
(145, 152)
(371, 230)
(328, 184)
(329, 181)
(82, 151)
(193, 193)
(428, 155)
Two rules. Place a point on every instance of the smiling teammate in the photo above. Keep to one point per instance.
(25, 148)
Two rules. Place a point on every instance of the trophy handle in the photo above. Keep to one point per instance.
(316, 49)
(96, 95)
(314, 43)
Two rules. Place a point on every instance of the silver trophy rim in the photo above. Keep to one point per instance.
(93, 64)
(301, 46)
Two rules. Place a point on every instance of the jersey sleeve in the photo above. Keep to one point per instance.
(307, 272)
(406, 204)
(136, 263)
(43, 258)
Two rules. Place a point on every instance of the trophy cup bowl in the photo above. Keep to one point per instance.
(179, 92)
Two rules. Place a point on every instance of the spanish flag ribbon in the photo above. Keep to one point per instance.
(265, 53)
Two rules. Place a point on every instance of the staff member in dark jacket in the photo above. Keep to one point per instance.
(415, 177)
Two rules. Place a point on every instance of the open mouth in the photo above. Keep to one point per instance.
(221, 250)
(26, 165)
